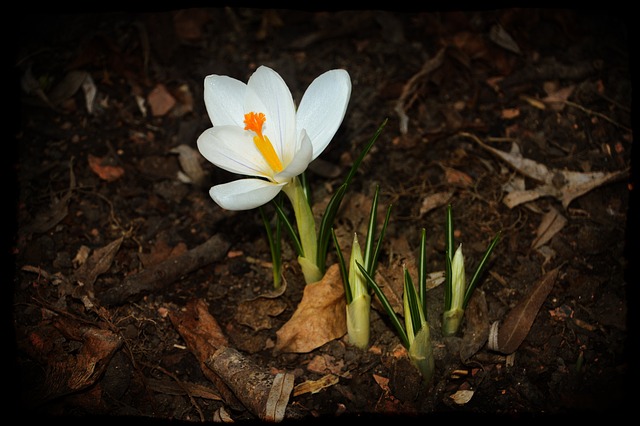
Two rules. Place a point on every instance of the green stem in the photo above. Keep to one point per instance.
(306, 229)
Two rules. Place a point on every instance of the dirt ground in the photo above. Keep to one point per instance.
(127, 276)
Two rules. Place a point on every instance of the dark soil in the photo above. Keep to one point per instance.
(87, 179)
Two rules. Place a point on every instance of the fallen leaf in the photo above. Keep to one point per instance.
(326, 363)
(434, 201)
(564, 185)
(58, 209)
(552, 223)
(319, 318)
(258, 313)
(507, 335)
(189, 160)
(160, 252)
(70, 84)
(557, 99)
(315, 386)
(509, 113)
(105, 171)
(456, 177)
(461, 397)
(99, 263)
(160, 100)
(502, 38)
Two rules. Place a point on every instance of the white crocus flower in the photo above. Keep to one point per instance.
(258, 132)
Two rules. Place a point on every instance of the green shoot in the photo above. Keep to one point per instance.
(356, 290)
(457, 293)
(415, 334)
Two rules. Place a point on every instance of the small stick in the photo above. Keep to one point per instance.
(161, 275)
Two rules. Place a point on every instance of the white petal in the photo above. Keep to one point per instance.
(323, 106)
(223, 98)
(269, 91)
(244, 194)
(233, 149)
(300, 161)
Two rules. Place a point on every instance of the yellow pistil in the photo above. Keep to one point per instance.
(254, 122)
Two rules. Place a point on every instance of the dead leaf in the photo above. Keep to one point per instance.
(509, 113)
(189, 160)
(327, 364)
(456, 177)
(104, 171)
(96, 265)
(434, 201)
(506, 336)
(160, 100)
(58, 209)
(461, 397)
(319, 318)
(558, 98)
(502, 38)
(160, 252)
(315, 386)
(72, 354)
(258, 313)
(408, 92)
(564, 185)
(199, 329)
(552, 223)
(69, 86)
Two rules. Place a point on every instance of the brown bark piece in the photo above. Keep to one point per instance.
(264, 394)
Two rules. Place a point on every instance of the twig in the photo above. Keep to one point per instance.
(597, 114)
(158, 276)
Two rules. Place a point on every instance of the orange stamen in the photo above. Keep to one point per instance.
(254, 122)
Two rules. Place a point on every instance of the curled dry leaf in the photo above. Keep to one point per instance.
(319, 318)
(315, 386)
(564, 185)
(189, 160)
(506, 336)
(99, 263)
(552, 223)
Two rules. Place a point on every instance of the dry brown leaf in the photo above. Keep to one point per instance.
(552, 223)
(160, 100)
(315, 386)
(189, 160)
(509, 113)
(98, 263)
(463, 396)
(506, 336)
(433, 201)
(258, 313)
(456, 177)
(105, 171)
(557, 99)
(160, 252)
(562, 184)
(319, 318)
